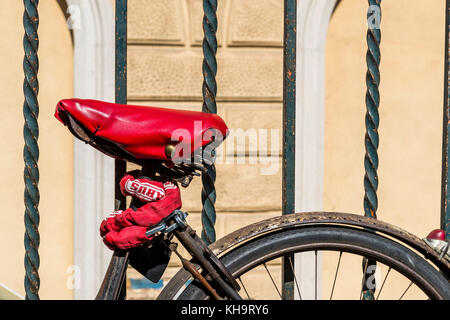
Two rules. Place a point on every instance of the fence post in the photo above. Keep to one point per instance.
(31, 149)
(372, 116)
(120, 86)
(372, 120)
(445, 190)
(289, 87)
(121, 98)
(209, 90)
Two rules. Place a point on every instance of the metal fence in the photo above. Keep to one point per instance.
(209, 90)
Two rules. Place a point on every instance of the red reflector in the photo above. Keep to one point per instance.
(437, 234)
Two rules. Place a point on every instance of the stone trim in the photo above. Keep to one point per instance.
(313, 17)
(93, 172)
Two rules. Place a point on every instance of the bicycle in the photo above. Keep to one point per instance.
(217, 271)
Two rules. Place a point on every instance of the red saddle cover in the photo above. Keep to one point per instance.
(144, 132)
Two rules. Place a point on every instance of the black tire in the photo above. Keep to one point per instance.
(337, 238)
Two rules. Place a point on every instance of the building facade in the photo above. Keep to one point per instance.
(164, 69)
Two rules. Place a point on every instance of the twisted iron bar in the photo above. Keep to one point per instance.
(372, 120)
(209, 91)
(31, 149)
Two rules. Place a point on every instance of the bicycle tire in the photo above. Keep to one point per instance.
(358, 241)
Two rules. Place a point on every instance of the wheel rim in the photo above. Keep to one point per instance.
(406, 271)
(357, 242)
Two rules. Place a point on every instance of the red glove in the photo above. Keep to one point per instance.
(114, 229)
(126, 238)
(152, 212)
(143, 189)
(109, 224)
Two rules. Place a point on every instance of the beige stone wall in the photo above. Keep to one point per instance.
(165, 69)
(55, 143)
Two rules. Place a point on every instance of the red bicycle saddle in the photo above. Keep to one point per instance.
(141, 132)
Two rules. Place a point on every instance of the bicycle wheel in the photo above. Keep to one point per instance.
(392, 257)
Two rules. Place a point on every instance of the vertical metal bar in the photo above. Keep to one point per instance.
(373, 58)
(289, 87)
(31, 149)
(120, 86)
(372, 119)
(209, 90)
(445, 190)
(121, 98)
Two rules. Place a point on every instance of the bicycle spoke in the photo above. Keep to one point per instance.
(246, 292)
(335, 275)
(295, 277)
(384, 281)
(410, 284)
(315, 276)
(265, 266)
